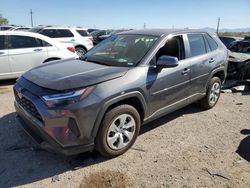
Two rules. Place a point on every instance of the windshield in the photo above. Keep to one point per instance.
(121, 50)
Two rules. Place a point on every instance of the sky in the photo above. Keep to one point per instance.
(118, 14)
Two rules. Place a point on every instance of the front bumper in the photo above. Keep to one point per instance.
(42, 139)
(65, 130)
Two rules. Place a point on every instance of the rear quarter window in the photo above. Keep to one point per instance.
(197, 44)
(211, 42)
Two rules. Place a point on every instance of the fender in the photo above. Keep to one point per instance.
(214, 71)
(115, 100)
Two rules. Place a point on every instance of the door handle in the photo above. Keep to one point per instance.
(38, 50)
(72, 40)
(1, 53)
(185, 71)
(211, 60)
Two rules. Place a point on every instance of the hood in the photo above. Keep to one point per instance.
(71, 74)
(238, 57)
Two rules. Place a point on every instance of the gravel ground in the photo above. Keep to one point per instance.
(188, 148)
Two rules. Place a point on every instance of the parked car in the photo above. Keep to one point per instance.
(21, 51)
(103, 37)
(227, 40)
(6, 27)
(78, 36)
(91, 30)
(239, 60)
(22, 28)
(130, 79)
(98, 36)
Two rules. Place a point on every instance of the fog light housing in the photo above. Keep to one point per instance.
(73, 127)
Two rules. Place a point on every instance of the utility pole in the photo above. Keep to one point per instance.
(144, 26)
(218, 25)
(31, 17)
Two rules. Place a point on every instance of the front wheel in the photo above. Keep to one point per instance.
(213, 93)
(118, 131)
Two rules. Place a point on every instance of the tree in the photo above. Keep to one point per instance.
(3, 21)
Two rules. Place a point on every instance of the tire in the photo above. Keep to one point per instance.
(115, 137)
(212, 94)
(80, 51)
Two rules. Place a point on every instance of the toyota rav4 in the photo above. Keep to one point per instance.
(132, 78)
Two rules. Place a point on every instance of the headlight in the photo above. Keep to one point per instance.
(67, 98)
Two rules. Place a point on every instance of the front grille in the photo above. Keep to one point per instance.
(27, 105)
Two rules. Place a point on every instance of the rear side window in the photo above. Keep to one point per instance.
(17, 42)
(83, 33)
(213, 45)
(61, 33)
(1, 42)
(197, 44)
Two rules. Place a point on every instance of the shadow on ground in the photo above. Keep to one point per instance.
(7, 82)
(21, 163)
(244, 147)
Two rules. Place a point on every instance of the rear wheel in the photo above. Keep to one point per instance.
(213, 93)
(118, 131)
(80, 51)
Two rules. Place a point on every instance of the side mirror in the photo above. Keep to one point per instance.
(167, 61)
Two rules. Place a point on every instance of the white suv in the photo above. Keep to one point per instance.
(21, 51)
(78, 36)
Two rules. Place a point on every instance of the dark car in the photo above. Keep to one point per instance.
(239, 60)
(227, 41)
(99, 35)
(132, 78)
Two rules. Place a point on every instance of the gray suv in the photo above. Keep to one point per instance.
(132, 78)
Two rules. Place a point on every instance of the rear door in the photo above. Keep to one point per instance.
(25, 52)
(201, 62)
(5, 71)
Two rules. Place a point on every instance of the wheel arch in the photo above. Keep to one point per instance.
(51, 59)
(81, 46)
(135, 99)
(220, 73)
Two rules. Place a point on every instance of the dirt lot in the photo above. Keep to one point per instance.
(188, 148)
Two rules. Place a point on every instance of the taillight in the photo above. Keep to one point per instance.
(72, 49)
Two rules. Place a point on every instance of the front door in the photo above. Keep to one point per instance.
(169, 87)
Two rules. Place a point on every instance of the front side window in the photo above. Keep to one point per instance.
(174, 47)
(16, 42)
(1, 42)
(197, 44)
(49, 33)
(121, 50)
